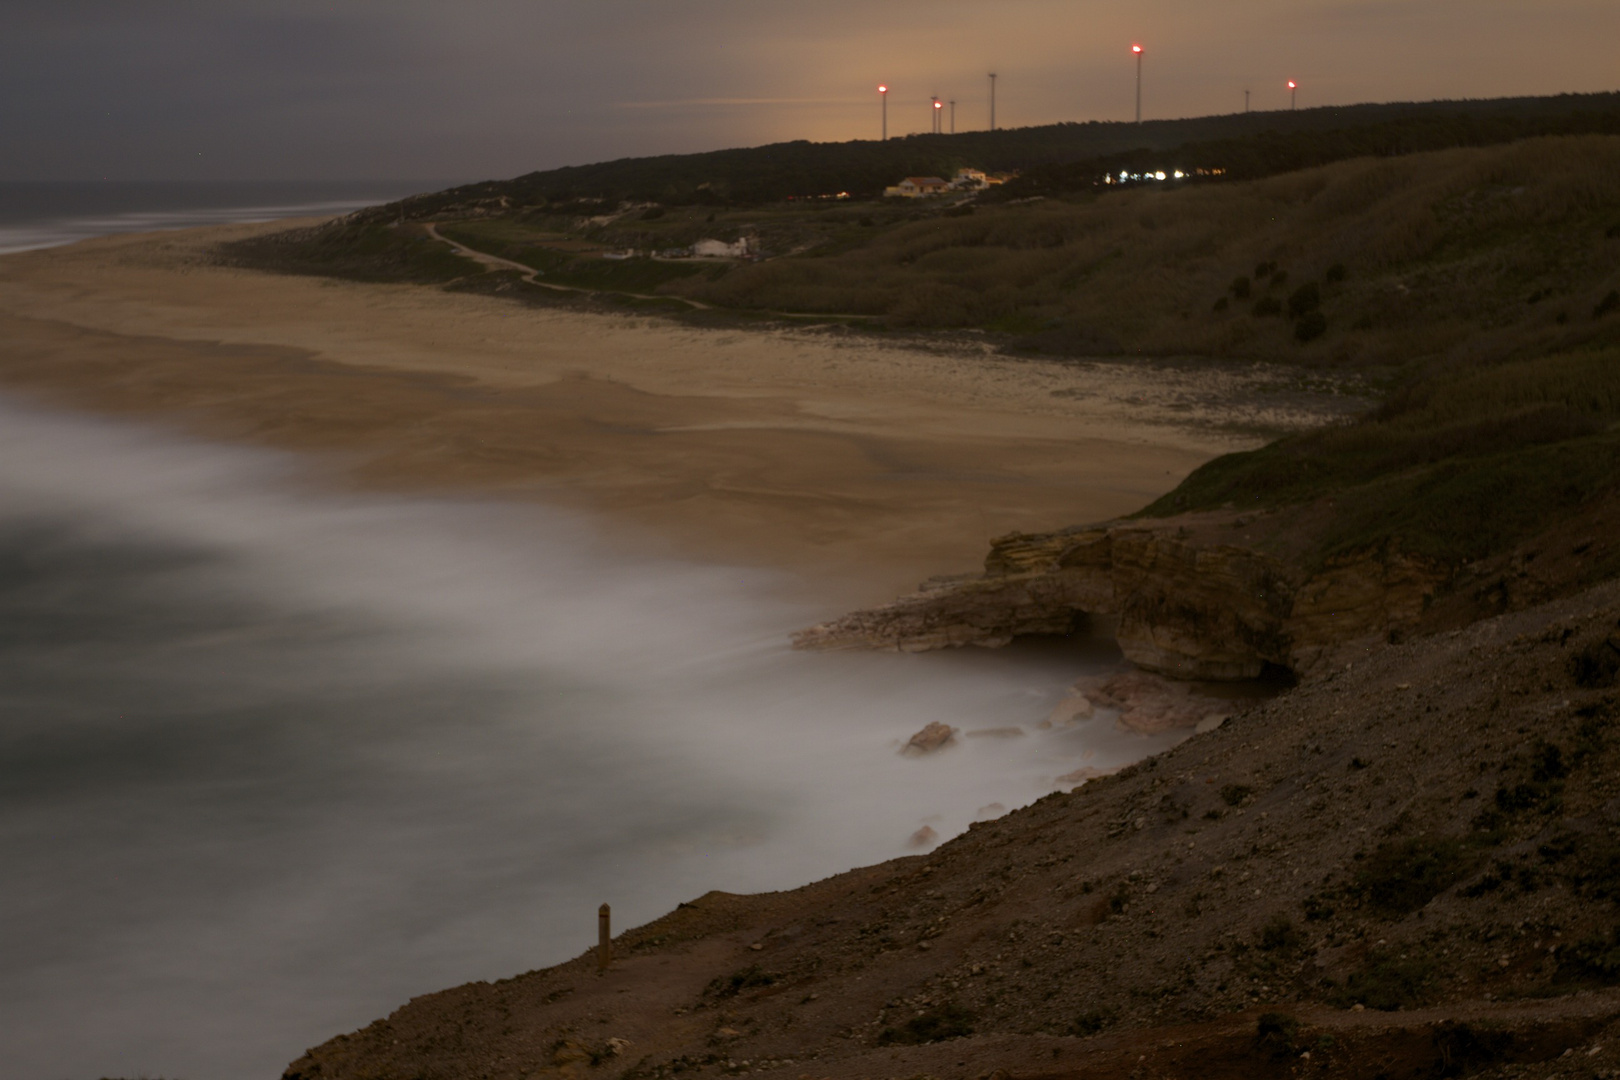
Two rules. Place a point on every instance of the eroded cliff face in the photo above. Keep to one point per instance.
(1201, 596)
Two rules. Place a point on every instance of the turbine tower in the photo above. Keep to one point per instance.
(1137, 49)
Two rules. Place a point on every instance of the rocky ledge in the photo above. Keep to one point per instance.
(1209, 596)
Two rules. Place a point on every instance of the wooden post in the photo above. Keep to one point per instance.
(604, 938)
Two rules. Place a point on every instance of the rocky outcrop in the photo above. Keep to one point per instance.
(934, 736)
(1205, 596)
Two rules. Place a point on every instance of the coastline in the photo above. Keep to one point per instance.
(859, 465)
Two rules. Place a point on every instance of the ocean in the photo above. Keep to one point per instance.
(40, 215)
(275, 759)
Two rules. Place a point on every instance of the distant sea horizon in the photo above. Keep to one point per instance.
(49, 213)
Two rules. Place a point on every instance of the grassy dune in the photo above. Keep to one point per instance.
(1489, 251)
(1480, 287)
(1454, 468)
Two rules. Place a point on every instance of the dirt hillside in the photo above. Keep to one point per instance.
(1408, 867)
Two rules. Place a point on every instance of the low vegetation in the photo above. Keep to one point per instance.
(1053, 157)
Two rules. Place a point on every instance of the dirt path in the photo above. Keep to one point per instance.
(532, 276)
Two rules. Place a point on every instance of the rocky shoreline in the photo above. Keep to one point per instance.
(1192, 596)
(1407, 868)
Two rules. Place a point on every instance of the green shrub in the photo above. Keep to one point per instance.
(1402, 876)
(936, 1025)
(725, 986)
(1240, 288)
(1595, 872)
(1276, 1035)
(1466, 1048)
(1234, 794)
(1267, 306)
(1608, 304)
(1279, 934)
(1089, 1023)
(1305, 299)
(1311, 325)
(1335, 274)
(1319, 907)
(1387, 983)
(1596, 957)
(1597, 666)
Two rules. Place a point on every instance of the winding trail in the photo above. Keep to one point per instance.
(531, 275)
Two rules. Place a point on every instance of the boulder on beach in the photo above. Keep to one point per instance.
(934, 736)
(1147, 703)
(1074, 707)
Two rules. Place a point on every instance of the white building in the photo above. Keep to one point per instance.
(915, 187)
(719, 249)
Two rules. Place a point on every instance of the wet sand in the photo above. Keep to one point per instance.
(861, 465)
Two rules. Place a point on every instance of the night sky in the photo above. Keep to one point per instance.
(363, 89)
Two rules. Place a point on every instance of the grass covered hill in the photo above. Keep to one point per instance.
(1367, 262)
(1249, 143)
(1370, 262)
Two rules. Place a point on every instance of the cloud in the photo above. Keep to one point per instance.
(686, 103)
(299, 88)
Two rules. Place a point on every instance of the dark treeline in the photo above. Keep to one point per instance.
(1055, 157)
(1270, 153)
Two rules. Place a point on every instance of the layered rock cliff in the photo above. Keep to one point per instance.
(1201, 596)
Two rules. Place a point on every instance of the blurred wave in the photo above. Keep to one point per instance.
(274, 760)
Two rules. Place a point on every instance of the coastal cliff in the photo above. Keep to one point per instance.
(1202, 596)
(1427, 890)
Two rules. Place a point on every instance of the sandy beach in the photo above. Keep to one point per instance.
(862, 465)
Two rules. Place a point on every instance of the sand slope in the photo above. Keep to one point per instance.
(861, 464)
